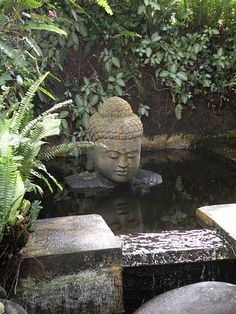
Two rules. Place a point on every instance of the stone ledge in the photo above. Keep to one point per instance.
(176, 246)
(221, 217)
(71, 265)
(65, 245)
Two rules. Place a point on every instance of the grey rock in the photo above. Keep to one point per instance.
(12, 307)
(200, 298)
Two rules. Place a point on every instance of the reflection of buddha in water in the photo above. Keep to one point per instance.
(122, 212)
(116, 161)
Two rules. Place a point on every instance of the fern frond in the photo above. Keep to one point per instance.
(62, 149)
(43, 27)
(42, 177)
(57, 150)
(33, 45)
(44, 169)
(46, 92)
(40, 18)
(25, 103)
(104, 4)
(35, 209)
(32, 123)
(8, 174)
(30, 4)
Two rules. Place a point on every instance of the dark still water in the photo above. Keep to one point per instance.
(189, 181)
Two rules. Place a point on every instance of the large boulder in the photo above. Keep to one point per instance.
(200, 298)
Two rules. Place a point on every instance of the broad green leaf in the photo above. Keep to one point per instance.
(83, 30)
(148, 52)
(111, 79)
(120, 82)
(182, 75)
(93, 100)
(141, 9)
(118, 90)
(64, 114)
(155, 37)
(178, 81)
(155, 5)
(197, 48)
(184, 98)
(107, 66)
(158, 57)
(220, 52)
(78, 100)
(4, 78)
(119, 75)
(178, 111)
(115, 61)
(173, 68)
(164, 73)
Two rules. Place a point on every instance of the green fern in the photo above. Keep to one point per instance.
(35, 209)
(59, 150)
(33, 45)
(44, 169)
(32, 123)
(43, 27)
(26, 103)
(104, 4)
(8, 174)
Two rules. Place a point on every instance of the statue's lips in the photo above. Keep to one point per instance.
(121, 173)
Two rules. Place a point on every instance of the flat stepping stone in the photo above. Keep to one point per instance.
(222, 217)
(208, 297)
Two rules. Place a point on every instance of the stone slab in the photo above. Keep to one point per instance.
(70, 234)
(71, 265)
(65, 245)
(175, 246)
(222, 217)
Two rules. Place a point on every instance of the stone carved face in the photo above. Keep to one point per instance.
(119, 160)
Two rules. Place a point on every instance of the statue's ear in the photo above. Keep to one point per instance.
(90, 166)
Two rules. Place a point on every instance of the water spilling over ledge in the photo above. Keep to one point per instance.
(175, 246)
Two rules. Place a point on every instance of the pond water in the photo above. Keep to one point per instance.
(189, 181)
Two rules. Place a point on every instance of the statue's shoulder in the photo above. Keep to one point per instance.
(146, 178)
(87, 181)
(83, 180)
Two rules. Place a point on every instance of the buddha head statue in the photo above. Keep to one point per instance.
(120, 131)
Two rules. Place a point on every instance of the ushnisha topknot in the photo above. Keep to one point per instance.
(114, 120)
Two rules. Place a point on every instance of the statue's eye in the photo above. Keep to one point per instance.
(131, 156)
(113, 155)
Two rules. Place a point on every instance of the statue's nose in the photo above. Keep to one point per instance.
(123, 161)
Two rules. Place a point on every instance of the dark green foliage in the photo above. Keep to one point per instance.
(188, 45)
(21, 59)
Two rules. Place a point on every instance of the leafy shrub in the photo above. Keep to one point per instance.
(21, 59)
(103, 55)
(21, 140)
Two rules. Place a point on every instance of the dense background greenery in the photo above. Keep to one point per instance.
(187, 46)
